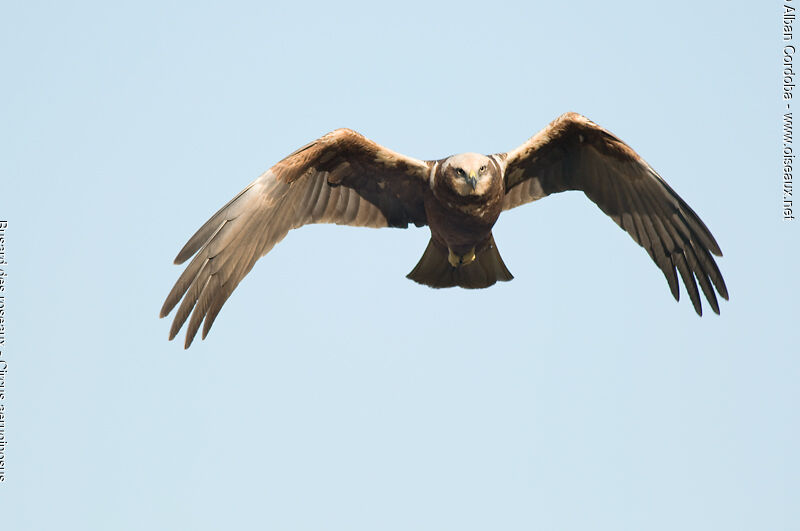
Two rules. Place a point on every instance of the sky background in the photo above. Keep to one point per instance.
(332, 392)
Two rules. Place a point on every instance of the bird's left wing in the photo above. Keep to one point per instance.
(341, 178)
(574, 153)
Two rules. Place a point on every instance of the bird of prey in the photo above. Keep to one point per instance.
(347, 179)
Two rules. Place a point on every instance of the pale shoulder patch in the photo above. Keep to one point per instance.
(432, 177)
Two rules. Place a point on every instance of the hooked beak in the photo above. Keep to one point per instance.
(472, 180)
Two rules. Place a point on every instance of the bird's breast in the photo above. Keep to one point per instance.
(462, 221)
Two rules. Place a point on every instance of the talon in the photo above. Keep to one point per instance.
(469, 257)
(454, 260)
(458, 261)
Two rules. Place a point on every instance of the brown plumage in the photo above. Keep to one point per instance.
(347, 179)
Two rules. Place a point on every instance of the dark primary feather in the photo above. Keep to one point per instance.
(573, 153)
(341, 178)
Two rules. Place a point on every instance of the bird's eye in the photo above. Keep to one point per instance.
(483, 169)
(460, 172)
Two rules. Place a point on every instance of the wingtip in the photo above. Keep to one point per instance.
(713, 246)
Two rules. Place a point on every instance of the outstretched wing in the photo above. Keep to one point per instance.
(574, 153)
(341, 178)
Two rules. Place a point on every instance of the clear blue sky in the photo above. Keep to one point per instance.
(332, 392)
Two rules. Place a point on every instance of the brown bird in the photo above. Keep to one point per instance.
(347, 179)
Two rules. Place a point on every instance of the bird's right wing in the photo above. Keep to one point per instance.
(341, 178)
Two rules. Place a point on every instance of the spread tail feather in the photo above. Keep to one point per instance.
(434, 270)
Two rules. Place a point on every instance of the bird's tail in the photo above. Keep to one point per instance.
(434, 270)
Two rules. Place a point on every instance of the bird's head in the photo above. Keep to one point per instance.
(468, 173)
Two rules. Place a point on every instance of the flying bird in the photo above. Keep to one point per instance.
(347, 179)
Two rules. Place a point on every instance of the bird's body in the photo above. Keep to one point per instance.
(462, 216)
(345, 178)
